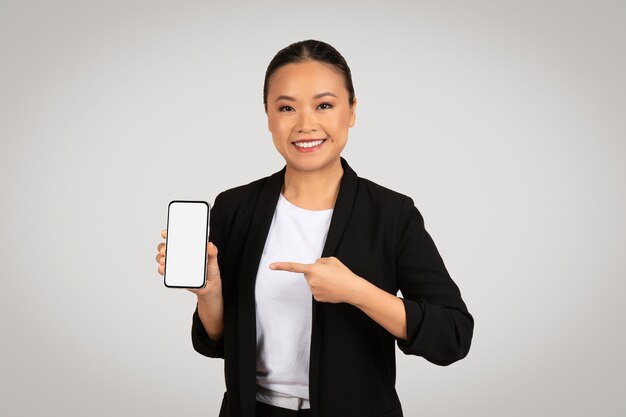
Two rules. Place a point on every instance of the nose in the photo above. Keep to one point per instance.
(307, 122)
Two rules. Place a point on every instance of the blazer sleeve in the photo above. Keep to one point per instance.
(201, 341)
(439, 326)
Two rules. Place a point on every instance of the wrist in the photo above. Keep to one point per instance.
(356, 296)
(214, 291)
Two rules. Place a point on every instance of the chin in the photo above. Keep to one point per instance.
(311, 164)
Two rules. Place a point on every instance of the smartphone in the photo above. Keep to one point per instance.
(186, 244)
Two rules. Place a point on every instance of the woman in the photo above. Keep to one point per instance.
(301, 301)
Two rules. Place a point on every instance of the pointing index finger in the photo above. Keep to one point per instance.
(289, 266)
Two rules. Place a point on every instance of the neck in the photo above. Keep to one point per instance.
(313, 190)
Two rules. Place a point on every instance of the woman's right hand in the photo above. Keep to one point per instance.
(213, 277)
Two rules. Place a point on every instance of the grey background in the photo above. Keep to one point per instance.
(504, 120)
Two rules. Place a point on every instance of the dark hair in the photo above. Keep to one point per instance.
(309, 50)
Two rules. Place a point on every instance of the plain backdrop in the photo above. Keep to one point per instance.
(503, 120)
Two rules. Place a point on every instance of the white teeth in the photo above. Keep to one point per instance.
(308, 144)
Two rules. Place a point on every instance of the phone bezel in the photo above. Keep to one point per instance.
(205, 246)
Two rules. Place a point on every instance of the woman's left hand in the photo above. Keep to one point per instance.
(329, 279)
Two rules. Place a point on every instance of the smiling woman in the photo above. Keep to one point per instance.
(302, 304)
(309, 111)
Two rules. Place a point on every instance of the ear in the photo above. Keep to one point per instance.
(353, 113)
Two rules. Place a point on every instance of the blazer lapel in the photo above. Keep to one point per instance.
(250, 259)
(338, 221)
(342, 209)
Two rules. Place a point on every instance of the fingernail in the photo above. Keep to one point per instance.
(272, 266)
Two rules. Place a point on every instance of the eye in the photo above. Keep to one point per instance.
(285, 108)
(325, 106)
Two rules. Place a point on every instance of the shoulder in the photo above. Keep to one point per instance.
(235, 196)
(392, 207)
(382, 196)
(236, 205)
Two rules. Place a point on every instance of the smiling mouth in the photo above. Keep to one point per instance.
(308, 143)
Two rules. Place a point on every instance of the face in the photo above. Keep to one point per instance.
(308, 102)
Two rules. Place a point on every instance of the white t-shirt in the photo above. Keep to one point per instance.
(284, 300)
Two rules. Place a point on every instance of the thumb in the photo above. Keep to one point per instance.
(211, 254)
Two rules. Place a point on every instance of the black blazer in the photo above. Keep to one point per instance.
(379, 234)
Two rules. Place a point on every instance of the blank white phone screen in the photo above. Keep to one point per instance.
(186, 244)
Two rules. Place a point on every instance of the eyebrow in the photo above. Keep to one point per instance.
(320, 95)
